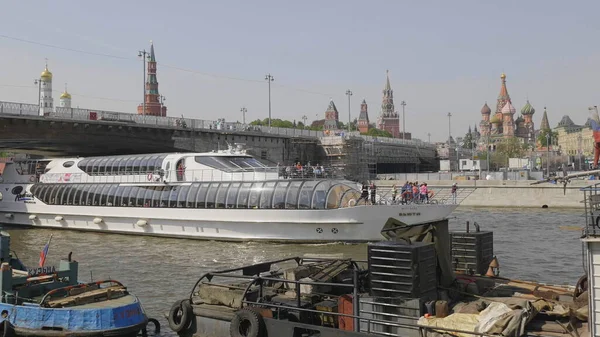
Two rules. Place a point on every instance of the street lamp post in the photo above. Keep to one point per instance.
(403, 103)
(579, 150)
(457, 160)
(269, 78)
(548, 153)
(449, 129)
(429, 137)
(243, 110)
(304, 118)
(38, 81)
(349, 94)
(144, 55)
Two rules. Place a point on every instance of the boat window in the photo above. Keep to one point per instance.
(68, 195)
(211, 195)
(38, 191)
(156, 196)
(266, 196)
(181, 198)
(232, 195)
(279, 194)
(101, 164)
(124, 195)
(191, 196)
(255, 194)
(305, 195)
(139, 196)
(52, 195)
(123, 165)
(148, 191)
(221, 195)
(201, 195)
(291, 201)
(144, 165)
(108, 166)
(110, 195)
(68, 163)
(104, 194)
(242, 198)
(230, 163)
(320, 195)
(58, 197)
(172, 196)
(75, 195)
(164, 196)
(157, 163)
(118, 194)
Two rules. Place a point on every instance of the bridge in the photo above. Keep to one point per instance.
(89, 132)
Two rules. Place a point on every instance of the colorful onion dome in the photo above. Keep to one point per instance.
(508, 109)
(528, 109)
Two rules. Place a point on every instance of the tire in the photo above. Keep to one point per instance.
(247, 323)
(180, 315)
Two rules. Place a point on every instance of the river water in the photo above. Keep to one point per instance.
(530, 245)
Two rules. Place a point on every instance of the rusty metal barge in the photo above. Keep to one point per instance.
(423, 280)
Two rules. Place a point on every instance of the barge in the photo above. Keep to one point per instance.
(423, 280)
(50, 302)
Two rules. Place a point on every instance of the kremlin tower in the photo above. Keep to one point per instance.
(363, 118)
(46, 100)
(388, 120)
(153, 104)
(331, 117)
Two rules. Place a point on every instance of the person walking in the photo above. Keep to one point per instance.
(394, 193)
(373, 192)
(454, 188)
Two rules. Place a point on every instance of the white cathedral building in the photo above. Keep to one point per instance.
(46, 100)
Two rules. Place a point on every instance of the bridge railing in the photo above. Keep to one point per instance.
(23, 109)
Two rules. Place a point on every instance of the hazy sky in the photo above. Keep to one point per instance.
(443, 56)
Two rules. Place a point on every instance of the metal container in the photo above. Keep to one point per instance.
(472, 252)
(399, 269)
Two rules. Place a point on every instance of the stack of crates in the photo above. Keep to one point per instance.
(403, 277)
(472, 252)
(399, 269)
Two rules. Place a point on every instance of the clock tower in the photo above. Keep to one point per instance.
(388, 119)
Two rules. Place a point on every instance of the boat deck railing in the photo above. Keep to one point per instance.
(591, 201)
(252, 274)
(189, 175)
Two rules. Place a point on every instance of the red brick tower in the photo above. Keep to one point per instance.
(154, 106)
(388, 120)
(363, 118)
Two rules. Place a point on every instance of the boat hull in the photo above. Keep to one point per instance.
(353, 224)
(31, 320)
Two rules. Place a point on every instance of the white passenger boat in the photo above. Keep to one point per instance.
(222, 195)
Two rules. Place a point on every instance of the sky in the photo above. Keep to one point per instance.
(442, 56)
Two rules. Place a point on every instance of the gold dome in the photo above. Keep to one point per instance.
(46, 74)
(65, 95)
(503, 76)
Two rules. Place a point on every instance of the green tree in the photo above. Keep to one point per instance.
(507, 148)
(468, 140)
(544, 141)
(378, 133)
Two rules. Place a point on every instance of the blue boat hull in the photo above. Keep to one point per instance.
(33, 320)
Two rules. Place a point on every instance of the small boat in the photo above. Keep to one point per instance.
(49, 301)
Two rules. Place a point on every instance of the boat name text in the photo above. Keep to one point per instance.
(410, 214)
(41, 271)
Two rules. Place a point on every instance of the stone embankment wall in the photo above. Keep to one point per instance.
(499, 193)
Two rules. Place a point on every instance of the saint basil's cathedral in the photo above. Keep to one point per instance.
(502, 124)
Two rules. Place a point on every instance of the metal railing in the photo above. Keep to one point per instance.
(591, 201)
(23, 109)
(253, 275)
(187, 175)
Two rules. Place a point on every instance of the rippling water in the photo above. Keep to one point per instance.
(529, 244)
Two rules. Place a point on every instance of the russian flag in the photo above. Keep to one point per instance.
(44, 252)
